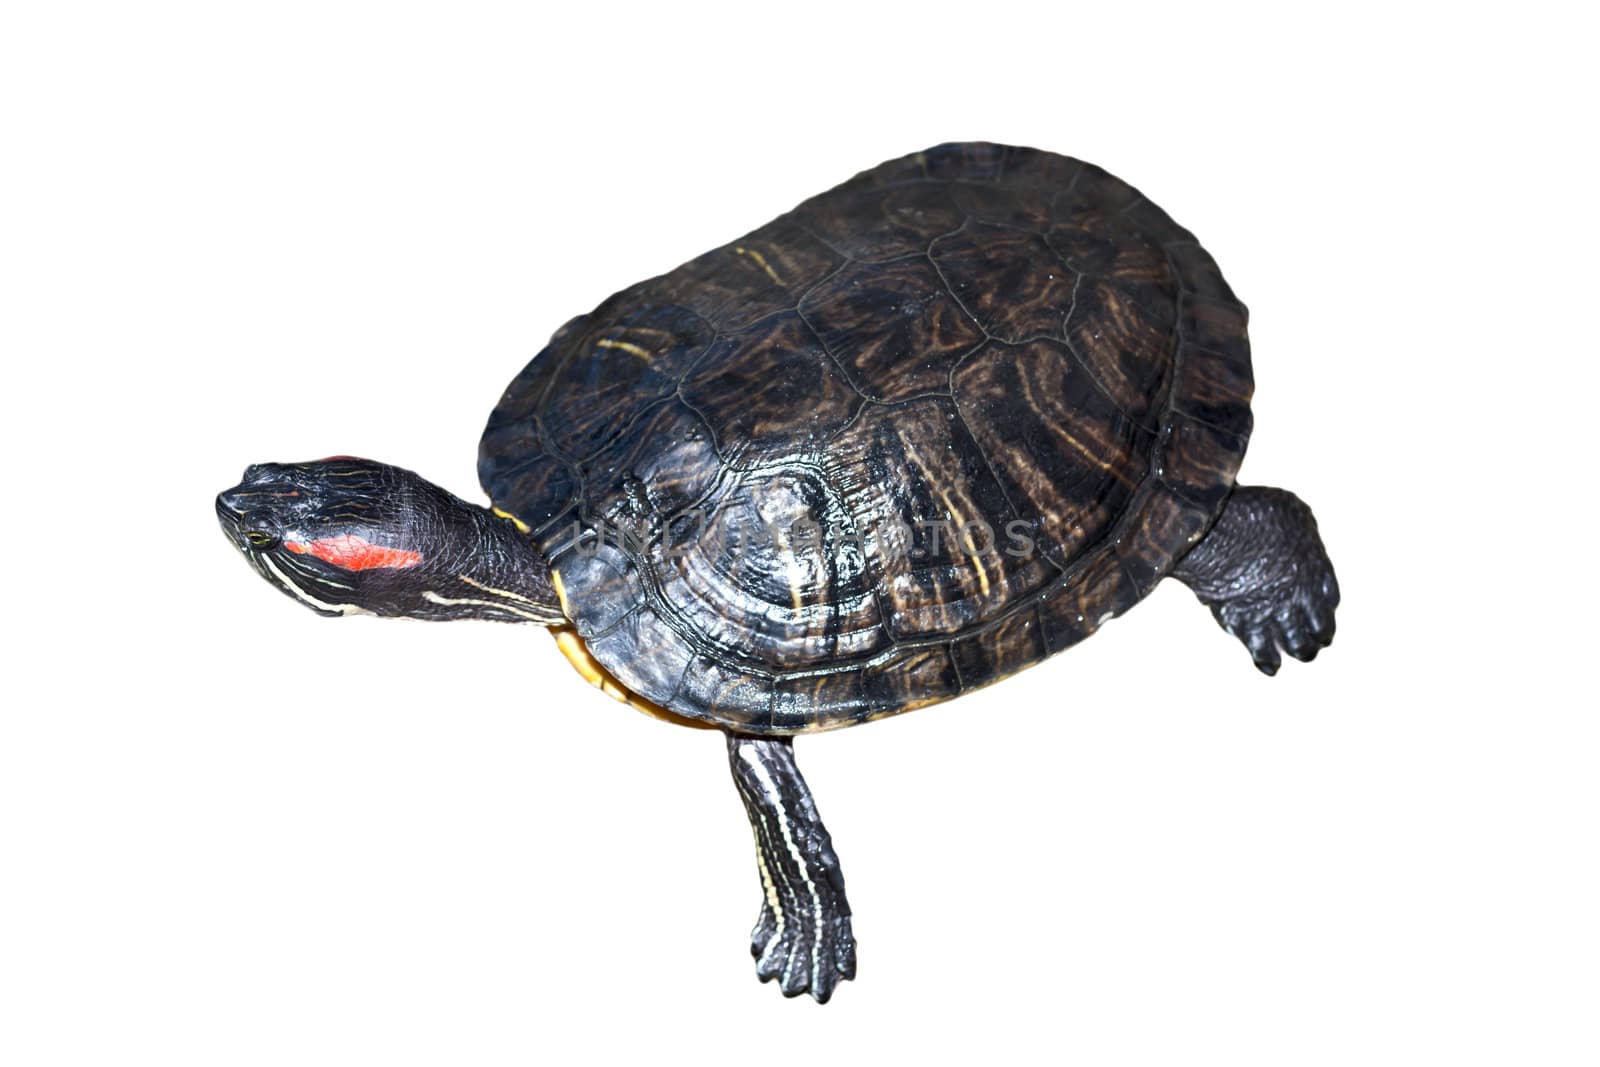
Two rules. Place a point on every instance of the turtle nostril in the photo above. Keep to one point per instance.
(260, 472)
(249, 495)
(231, 503)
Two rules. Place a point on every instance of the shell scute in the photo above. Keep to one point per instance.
(610, 582)
(879, 223)
(730, 694)
(1145, 548)
(1000, 205)
(625, 359)
(1215, 323)
(1068, 459)
(1000, 650)
(1197, 460)
(777, 541)
(1010, 280)
(896, 328)
(1087, 600)
(662, 466)
(1214, 387)
(909, 679)
(796, 698)
(744, 281)
(545, 486)
(646, 655)
(1199, 271)
(932, 506)
(1095, 186)
(771, 392)
(971, 161)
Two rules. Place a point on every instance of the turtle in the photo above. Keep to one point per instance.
(921, 432)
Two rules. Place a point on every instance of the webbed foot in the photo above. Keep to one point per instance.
(804, 956)
(802, 939)
(1300, 623)
(1265, 576)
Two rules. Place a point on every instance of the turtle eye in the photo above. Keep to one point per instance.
(260, 539)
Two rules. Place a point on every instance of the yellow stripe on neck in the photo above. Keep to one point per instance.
(522, 527)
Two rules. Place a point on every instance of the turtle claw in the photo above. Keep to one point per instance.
(1263, 646)
(766, 929)
(1306, 620)
(1300, 640)
(809, 957)
(1298, 620)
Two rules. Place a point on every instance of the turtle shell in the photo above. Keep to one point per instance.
(922, 431)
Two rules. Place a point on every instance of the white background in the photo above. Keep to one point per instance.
(234, 833)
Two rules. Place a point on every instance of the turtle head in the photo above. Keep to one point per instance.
(350, 536)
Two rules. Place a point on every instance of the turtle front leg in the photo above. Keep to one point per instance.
(1265, 576)
(803, 936)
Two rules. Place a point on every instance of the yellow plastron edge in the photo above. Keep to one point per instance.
(577, 653)
(590, 670)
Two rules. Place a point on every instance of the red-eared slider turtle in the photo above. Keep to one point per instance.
(919, 433)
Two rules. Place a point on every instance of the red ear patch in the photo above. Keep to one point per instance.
(354, 554)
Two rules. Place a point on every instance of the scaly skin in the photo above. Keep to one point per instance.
(1265, 576)
(802, 938)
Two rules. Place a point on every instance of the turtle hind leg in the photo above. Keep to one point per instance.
(1265, 576)
(802, 938)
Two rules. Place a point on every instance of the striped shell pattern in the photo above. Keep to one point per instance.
(924, 430)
